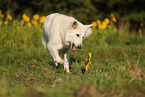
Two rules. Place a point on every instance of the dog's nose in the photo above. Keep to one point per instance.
(79, 46)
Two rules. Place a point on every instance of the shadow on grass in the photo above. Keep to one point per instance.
(83, 70)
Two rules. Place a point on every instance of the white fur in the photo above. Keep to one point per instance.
(59, 35)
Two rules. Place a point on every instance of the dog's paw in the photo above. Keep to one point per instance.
(70, 63)
(55, 64)
(68, 71)
(66, 66)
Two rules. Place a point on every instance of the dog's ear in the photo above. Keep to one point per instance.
(74, 25)
(88, 31)
(88, 26)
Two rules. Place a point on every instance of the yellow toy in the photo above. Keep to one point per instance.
(89, 61)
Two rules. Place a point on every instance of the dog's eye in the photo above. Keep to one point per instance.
(77, 35)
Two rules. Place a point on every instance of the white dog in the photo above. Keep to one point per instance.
(63, 33)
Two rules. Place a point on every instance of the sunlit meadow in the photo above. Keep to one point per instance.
(109, 65)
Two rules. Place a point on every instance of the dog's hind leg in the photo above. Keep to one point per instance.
(44, 40)
(66, 60)
(54, 53)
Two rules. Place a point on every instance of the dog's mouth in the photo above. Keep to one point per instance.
(73, 47)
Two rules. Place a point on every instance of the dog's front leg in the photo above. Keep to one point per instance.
(66, 60)
(54, 54)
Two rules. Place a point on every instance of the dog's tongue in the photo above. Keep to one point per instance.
(73, 48)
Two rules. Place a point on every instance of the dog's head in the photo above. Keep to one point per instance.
(78, 32)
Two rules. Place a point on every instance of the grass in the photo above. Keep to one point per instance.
(117, 68)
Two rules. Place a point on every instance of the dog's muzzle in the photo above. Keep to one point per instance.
(79, 47)
(75, 47)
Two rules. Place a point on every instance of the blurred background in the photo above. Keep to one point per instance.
(114, 21)
(130, 14)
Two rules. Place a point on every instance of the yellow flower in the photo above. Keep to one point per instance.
(1, 15)
(103, 25)
(0, 23)
(98, 22)
(34, 22)
(29, 24)
(36, 17)
(42, 19)
(107, 20)
(109, 26)
(112, 15)
(24, 15)
(25, 18)
(5, 22)
(17, 28)
(9, 17)
(0, 12)
(94, 24)
(140, 31)
(115, 29)
(22, 23)
(114, 19)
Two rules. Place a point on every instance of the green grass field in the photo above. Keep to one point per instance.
(117, 68)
